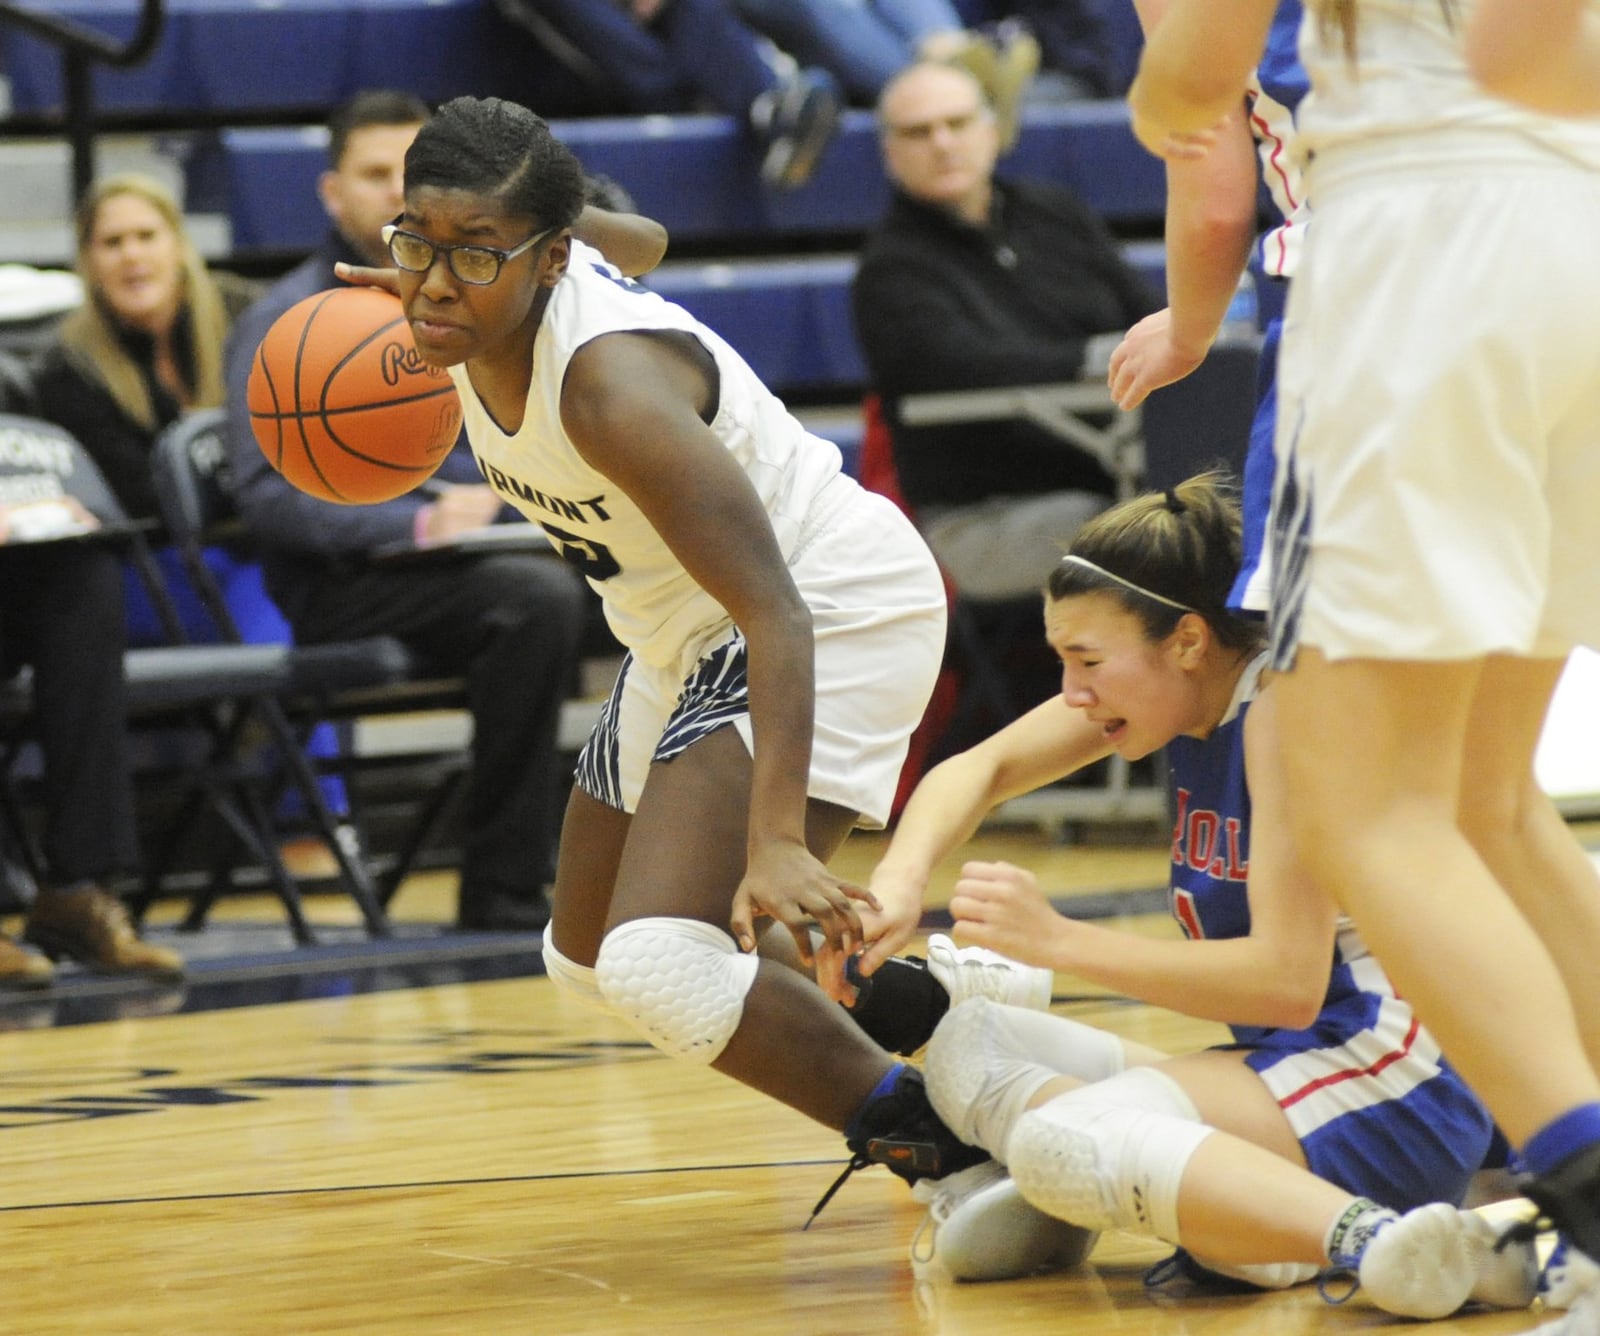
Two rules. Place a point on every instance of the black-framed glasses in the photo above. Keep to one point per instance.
(478, 265)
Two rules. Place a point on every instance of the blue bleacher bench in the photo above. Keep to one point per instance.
(222, 58)
(790, 318)
(697, 174)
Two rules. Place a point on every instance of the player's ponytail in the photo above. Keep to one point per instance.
(1163, 554)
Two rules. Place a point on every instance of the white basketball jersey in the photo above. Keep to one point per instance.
(652, 605)
(1410, 81)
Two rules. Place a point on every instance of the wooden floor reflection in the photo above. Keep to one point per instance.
(488, 1157)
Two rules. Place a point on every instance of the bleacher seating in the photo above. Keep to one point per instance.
(697, 174)
(222, 60)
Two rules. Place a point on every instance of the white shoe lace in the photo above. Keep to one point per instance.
(943, 1195)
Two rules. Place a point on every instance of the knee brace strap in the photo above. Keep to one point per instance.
(1110, 1155)
(576, 979)
(682, 982)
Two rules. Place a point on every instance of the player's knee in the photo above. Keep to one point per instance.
(1111, 1155)
(572, 978)
(682, 982)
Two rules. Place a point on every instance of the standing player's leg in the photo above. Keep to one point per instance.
(1522, 837)
(1375, 773)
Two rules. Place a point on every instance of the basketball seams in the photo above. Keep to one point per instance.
(343, 343)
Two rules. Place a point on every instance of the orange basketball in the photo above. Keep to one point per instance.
(341, 403)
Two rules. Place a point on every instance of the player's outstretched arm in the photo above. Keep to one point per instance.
(1544, 54)
(1048, 743)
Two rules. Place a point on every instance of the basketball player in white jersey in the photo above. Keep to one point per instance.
(783, 626)
(1435, 547)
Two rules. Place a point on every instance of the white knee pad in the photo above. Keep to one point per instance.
(1110, 1155)
(986, 1061)
(567, 974)
(683, 983)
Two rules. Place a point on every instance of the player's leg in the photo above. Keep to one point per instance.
(1521, 836)
(683, 860)
(1373, 755)
(592, 836)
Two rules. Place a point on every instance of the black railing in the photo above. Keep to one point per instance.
(81, 47)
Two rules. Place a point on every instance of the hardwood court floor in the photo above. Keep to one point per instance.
(491, 1157)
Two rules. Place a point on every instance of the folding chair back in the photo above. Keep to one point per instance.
(336, 681)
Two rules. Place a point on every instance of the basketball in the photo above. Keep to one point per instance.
(342, 405)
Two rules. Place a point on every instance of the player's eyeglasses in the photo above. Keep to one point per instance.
(478, 265)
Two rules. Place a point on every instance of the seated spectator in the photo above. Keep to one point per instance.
(971, 282)
(144, 347)
(511, 623)
(865, 43)
(61, 614)
(664, 56)
(146, 344)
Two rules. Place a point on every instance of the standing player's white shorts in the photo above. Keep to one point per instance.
(1439, 409)
(878, 607)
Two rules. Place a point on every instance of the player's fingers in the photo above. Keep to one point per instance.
(369, 276)
(860, 893)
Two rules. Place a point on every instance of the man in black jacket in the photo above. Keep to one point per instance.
(976, 283)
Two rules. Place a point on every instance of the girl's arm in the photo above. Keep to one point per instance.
(632, 242)
(1194, 67)
(1049, 742)
(1277, 976)
(634, 405)
(1542, 53)
(1210, 225)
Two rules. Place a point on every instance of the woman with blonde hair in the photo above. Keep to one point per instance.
(146, 345)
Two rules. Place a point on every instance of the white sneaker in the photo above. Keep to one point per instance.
(1425, 1263)
(972, 971)
(1582, 1319)
(1568, 1276)
(978, 1227)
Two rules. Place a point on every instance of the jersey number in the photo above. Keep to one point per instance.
(593, 560)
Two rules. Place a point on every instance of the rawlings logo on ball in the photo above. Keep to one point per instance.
(402, 359)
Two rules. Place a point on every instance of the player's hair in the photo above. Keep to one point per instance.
(1339, 16)
(1182, 546)
(92, 338)
(492, 147)
(372, 106)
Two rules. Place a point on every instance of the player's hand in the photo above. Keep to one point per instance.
(1000, 906)
(786, 883)
(369, 276)
(1149, 357)
(887, 928)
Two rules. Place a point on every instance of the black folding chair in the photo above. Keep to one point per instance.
(214, 704)
(339, 682)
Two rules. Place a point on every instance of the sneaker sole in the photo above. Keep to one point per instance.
(996, 1234)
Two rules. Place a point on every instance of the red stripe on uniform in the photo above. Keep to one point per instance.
(1386, 1060)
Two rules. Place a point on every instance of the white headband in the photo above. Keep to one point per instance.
(1070, 560)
